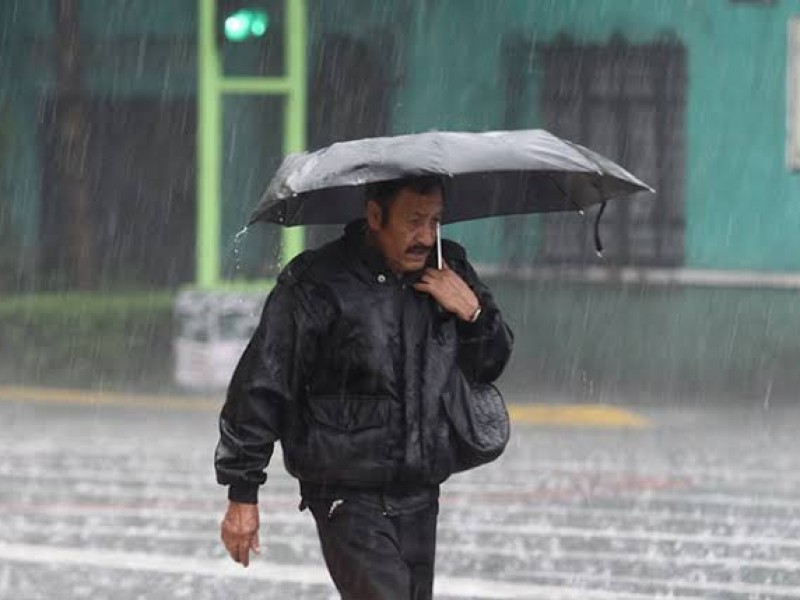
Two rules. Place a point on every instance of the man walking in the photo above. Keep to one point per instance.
(354, 350)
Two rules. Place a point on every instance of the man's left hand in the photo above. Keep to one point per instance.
(449, 290)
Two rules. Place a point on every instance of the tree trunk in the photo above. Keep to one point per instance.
(72, 141)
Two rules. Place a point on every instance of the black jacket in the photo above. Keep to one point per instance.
(346, 369)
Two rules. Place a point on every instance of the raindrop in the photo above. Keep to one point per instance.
(237, 249)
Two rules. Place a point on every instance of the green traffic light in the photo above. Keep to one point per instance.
(245, 24)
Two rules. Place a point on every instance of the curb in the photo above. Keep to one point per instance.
(560, 415)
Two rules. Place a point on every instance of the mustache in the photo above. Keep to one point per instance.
(419, 249)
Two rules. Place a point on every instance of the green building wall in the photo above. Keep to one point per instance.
(741, 200)
(742, 209)
(148, 49)
(595, 341)
(27, 80)
(587, 341)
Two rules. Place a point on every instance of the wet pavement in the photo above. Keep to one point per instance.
(120, 503)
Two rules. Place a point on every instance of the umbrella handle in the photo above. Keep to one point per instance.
(439, 246)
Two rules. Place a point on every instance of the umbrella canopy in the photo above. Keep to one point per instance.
(484, 174)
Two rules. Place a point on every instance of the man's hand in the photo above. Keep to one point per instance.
(449, 290)
(240, 531)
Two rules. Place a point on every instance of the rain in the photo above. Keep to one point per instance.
(652, 389)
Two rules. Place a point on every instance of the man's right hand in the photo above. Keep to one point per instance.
(240, 531)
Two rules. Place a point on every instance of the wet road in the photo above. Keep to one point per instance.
(120, 503)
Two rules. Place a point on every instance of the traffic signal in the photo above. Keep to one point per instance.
(250, 37)
(246, 24)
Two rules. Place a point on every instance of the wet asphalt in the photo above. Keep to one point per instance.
(120, 502)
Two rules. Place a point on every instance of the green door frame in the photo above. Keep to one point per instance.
(212, 85)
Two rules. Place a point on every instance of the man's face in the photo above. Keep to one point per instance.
(408, 238)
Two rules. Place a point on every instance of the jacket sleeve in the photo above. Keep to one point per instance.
(267, 379)
(484, 346)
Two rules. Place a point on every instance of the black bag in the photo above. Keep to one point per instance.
(479, 421)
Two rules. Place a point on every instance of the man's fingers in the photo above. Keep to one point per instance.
(239, 549)
(230, 544)
(254, 543)
(431, 277)
(236, 543)
(244, 552)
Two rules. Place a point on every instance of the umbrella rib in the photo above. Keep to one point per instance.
(572, 201)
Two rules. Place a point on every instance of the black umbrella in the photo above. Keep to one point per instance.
(484, 174)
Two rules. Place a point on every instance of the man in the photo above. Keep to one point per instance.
(347, 368)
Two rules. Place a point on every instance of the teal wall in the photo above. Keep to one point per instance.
(27, 80)
(151, 67)
(20, 186)
(593, 343)
(742, 205)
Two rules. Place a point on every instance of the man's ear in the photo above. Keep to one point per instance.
(374, 214)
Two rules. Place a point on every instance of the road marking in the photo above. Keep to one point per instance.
(788, 475)
(283, 493)
(94, 398)
(454, 525)
(563, 415)
(577, 415)
(310, 546)
(541, 486)
(463, 508)
(541, 475)
(260, 570)
(674, 587)
(669, 497)
(124, 487)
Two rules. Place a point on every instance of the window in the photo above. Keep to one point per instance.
(626, 102)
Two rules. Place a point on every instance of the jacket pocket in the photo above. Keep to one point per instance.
(349, 413)
(346, 441)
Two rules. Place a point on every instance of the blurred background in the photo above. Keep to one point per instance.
(137, 135)
(652, 391)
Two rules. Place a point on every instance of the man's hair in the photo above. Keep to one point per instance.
(384, 193)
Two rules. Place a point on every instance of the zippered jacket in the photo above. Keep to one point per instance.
(347, 369)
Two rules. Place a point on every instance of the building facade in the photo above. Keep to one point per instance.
(694, 96)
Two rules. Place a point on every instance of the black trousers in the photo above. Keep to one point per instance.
(375, 554)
